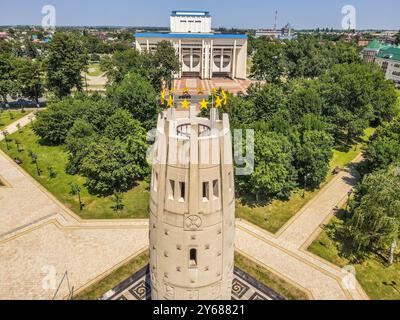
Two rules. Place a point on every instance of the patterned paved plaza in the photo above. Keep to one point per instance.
(137, 287)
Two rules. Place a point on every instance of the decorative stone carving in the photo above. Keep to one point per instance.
(193, 222)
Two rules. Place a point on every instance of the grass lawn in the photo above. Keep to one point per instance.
(273, 216)
(8, 117)
(373, 274)
(135, 200)
(96, 290)
(266, 277)
(94, 70)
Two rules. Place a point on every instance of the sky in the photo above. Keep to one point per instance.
(302, 14)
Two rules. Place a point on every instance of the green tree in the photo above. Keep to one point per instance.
(115, 165)
(353, 98)
(6, 139)
(269, 100)
(8, 83)
(52, 172)
(240, 109)
(383, 148)
(123, 62)
(52, 124)
(136, 95)
(28, 74)
(397, 39)
(76, 142)
(6, 47)
(306, 57)
(312, 158)
(75, 190)
(30, 49)
(121, 125)
(67, 58)
(18, 143)
(274, 174)
(375, 222)
(95, 109)
(34, 158)
(118, 200)
(269, 62)
(166, 61)
(304, 99)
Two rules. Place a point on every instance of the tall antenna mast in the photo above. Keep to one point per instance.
(276, 19)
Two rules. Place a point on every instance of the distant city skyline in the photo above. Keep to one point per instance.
(250, 14)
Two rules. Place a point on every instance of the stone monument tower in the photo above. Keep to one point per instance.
(192, 208)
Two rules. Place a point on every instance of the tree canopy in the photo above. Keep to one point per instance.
(115, 165)
(136, 95)
(383, 148)
(375, 211)
(66, 60)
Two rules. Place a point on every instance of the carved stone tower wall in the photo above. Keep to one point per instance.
(192, 209)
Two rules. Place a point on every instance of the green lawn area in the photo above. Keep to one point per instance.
(273, 216)
(271, 280)
(94, 70)
(96, 290)
(8, 117)
(135, 200)
(342, 158)
(373, 274)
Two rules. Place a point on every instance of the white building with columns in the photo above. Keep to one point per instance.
(202, 52)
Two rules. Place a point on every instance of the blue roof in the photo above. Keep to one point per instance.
(191, 35)
(190, 13)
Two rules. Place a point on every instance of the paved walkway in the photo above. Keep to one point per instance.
(40, 239)
(25, 120)
(285, 253)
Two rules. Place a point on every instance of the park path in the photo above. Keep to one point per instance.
(13, 127)
(285, 253)
(41, 239)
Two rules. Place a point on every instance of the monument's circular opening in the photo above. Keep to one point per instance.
(184, 130)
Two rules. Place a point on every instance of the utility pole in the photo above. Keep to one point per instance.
(276, 20)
